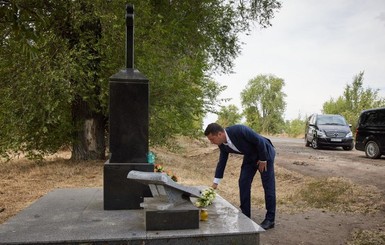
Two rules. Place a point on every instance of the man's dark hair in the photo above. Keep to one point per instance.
(214, 129)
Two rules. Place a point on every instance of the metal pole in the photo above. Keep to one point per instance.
(129, 36)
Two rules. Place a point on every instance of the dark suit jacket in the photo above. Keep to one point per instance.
(253, 146)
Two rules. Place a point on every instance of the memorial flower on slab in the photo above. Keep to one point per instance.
(159, 169)
(207, 197)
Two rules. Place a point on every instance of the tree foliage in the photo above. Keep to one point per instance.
(229, 115)
(56, 58)
(295, 127)
(264, 103)
(354, 99)
(52, 75)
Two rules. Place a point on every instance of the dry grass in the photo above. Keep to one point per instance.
(340, 195)
(361, 237)
(22, 181)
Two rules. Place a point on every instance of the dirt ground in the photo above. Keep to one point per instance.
(319, 226)
(23, 182)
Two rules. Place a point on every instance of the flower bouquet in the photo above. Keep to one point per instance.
(207, 197)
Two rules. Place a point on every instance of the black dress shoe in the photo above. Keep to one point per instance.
(267, 224)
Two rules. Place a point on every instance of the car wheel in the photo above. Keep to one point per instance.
(372, 150)
(314, 143)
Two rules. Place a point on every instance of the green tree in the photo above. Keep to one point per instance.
(296, 127)
(229, 115)
(354, 99)
(264, 103)
(53, 83)
(56, 58)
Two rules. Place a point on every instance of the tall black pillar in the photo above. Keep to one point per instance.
(129, 117)
(129, 122)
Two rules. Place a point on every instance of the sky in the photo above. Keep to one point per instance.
(317, 48)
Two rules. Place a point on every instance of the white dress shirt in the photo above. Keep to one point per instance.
(232, 146)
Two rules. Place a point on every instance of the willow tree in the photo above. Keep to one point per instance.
(264, 103)
(57, 56)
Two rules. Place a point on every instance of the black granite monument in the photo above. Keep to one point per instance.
(129, 122)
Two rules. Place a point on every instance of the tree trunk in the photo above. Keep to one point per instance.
(89, 124)
(89, 137)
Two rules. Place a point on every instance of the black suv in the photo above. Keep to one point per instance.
(328, 130)
(370, 133)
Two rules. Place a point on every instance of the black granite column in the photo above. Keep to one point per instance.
(129, 122)
(129, 117)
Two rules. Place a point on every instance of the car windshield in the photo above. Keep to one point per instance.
(330, 120)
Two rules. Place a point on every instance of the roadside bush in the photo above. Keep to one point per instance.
(295, 128)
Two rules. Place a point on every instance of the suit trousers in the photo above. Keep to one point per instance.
(248, 171)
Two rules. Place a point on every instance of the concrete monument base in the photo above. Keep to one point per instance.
(76, 216)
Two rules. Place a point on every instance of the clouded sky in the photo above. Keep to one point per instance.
(316, 47)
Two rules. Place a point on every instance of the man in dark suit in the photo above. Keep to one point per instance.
(258, 155)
